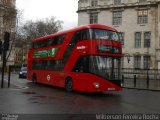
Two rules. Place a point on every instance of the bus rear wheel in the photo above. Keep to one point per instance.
(69, 85)
(34, 78)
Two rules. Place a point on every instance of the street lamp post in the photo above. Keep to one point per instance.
(5, 47)
(148, 66)
(128, 57)
(4, 51)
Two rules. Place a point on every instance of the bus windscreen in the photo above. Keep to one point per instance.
(100, 34)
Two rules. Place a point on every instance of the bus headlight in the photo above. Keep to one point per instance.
(96, 85)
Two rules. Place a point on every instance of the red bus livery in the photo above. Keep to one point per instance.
(86, 59)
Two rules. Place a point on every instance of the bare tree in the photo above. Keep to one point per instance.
(32, 30)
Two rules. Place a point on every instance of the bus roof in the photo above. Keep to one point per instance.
(100, 26)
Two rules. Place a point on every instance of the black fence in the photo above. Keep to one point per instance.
(141, 79)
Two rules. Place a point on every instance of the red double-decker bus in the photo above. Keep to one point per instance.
(86, 58)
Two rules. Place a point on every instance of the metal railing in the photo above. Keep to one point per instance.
(141, 78)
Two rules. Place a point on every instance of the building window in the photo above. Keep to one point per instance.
(84, 1)
(146, 63)
(137, 62)
(94, 3)
(142, 1)
(117, 2)
(93, 18)
(147, 39)
(122, 38)
(6, 2)
(122, 62)
(117, 18)
(142, 16)
(138, 40)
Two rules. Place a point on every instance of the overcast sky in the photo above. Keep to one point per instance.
(64, 10)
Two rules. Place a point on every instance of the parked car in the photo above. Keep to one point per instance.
(23, 72)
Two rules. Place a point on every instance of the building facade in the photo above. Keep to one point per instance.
(137, 20)
(21, 52)
(8, 24)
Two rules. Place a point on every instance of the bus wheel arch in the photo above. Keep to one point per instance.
(69, 84)
(34, 78)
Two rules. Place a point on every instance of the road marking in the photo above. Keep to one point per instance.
(16, 87)
(19, 88)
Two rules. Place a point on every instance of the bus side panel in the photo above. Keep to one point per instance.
(79, 82)
(57, 78)
(53, 78)
(86, 84)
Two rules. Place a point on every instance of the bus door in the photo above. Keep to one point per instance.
(81, 68)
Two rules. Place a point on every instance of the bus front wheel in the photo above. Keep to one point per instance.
(69, 84)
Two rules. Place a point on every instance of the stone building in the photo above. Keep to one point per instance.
(137, 20)
(8, 24)
(21, 52)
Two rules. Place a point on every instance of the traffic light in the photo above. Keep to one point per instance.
(6, 40)
(0, 47)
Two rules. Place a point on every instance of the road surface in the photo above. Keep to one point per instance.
(24, 97)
